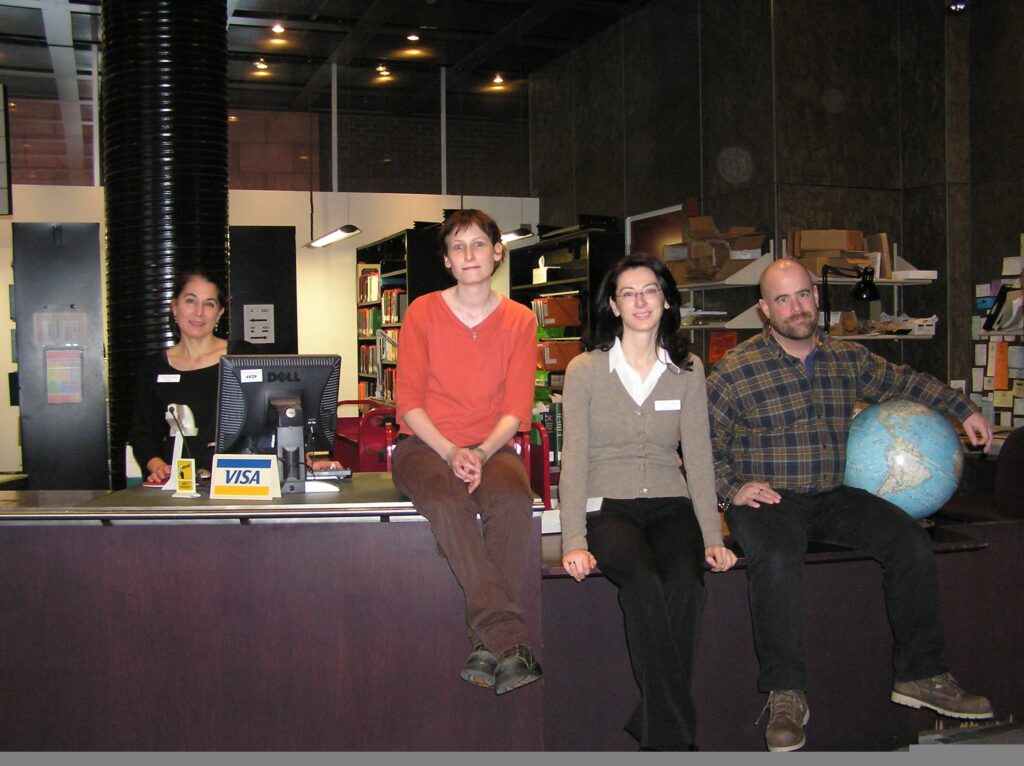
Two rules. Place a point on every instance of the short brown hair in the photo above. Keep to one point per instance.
(458, 220)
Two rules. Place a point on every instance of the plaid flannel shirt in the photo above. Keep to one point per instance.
(771, 421)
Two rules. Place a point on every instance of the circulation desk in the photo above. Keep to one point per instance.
(135, 621)
(322, 622)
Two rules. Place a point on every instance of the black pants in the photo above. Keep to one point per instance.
(774, 541)
(653, 551)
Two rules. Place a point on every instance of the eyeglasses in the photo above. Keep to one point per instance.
(649, 293)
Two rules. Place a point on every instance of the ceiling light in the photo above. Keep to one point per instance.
(277, 29)
(498, 79)
(260, 64)
(232, 118)
(956, 6)
(412, 38)
(342, 232)
(381, 68)
(523, 231)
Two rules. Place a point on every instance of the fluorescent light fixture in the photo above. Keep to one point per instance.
(342, 232)
(520, 233)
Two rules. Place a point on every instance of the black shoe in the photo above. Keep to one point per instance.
(479, 668)
(516, 667)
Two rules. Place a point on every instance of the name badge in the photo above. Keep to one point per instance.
(169, 378)
(664, 405)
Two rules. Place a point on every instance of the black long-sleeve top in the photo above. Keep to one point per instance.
(158, 384)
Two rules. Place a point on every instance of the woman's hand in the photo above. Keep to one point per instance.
(719, 558)
(159, 471)
(466, 465)
(579, 564)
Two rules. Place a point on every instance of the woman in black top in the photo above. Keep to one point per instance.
(186, 373)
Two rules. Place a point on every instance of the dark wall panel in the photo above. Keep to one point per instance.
(837, 92)
(997, 133)
(736, 95)
(552, 162)
(870, 210)
(263, 272)
(960, 283)
(662, 99)
(598, 124)
(925, 245)
(922, 92)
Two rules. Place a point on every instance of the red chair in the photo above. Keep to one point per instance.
(535, 458)
(364, 442)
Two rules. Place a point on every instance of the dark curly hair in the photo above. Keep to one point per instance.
(606, 327)
(182, 278)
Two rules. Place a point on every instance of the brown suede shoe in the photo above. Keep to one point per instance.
(942, 694)
(787, 714)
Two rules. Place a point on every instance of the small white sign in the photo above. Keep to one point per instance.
(258, 319)
(245, 477)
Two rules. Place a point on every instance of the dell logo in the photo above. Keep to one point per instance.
(284, 377)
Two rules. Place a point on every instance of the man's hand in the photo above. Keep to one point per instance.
(753, 493)
(979, 431)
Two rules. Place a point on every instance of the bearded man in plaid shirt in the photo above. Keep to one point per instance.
(781, 404)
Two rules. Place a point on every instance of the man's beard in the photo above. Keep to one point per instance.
(793, 332)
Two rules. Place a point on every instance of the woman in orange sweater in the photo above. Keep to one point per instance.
(464, 387)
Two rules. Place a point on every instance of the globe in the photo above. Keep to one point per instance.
(906, 453)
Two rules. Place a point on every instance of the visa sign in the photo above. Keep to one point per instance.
(245, 476)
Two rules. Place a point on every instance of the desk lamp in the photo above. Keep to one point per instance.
(863, 290)
(183, 423)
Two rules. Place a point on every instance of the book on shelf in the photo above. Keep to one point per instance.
(368, 286)
(389, 347)
(393, 302)
(368, 321)
(368, 359)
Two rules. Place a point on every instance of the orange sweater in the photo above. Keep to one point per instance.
(466, 379)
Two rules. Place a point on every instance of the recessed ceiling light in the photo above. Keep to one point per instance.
(232, 118)
(277, 29)
(381, 68)
(412, 38)
(260, 64)
(498, 79)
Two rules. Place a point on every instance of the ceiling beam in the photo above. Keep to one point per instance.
(350, 47)
(57, 23)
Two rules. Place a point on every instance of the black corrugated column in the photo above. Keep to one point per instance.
(165, 173)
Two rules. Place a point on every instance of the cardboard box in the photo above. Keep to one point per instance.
(556, 354)
(879, 243)
(830, 239)
(557, 311)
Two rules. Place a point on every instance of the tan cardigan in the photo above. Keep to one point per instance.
(613, 448)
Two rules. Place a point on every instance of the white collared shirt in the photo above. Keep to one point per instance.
(637, 389)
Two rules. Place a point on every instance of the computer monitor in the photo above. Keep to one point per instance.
(279, 404)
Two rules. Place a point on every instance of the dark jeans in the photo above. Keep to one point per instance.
(774, 540)
(490, 558)
(653, 551)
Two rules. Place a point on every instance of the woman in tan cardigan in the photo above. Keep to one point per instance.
(630, 402)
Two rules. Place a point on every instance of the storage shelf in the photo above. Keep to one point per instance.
(550, 284)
